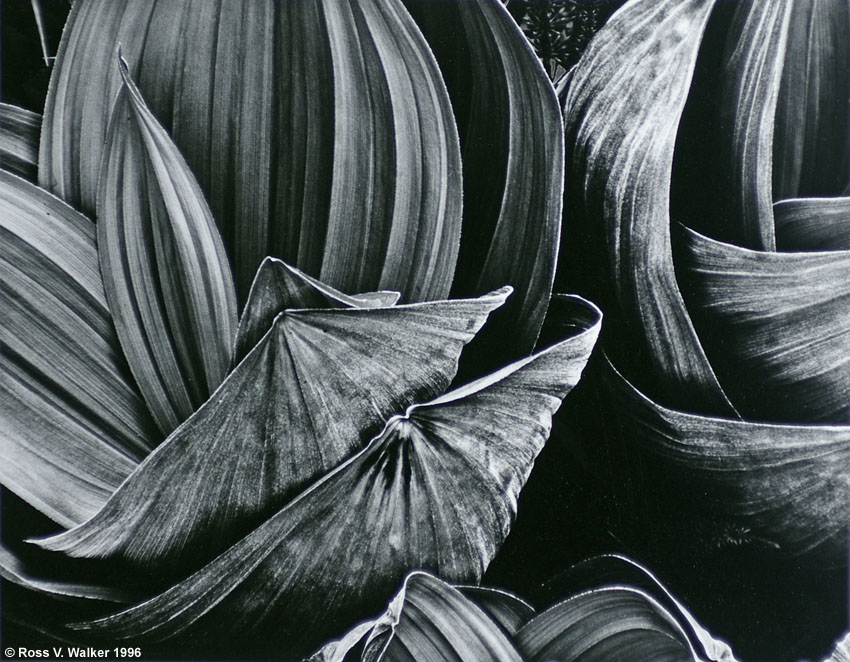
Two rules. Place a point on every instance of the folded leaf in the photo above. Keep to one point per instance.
(504, 608)
(510, 129)
(604, 625)
(431, 620)
(786, 487)
(813, 224)
(164, 267)
(74, 424)
(623, 110)
(19, 129)
(810, 154)
(278, 287)
(314, 390)
(776, 326)
(753, 63)
(435, 490)
(320, 131)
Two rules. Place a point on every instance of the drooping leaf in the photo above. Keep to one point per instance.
(623, 109)
(436, 490)
(776, 326)
(315, 389)
(431, 620)
(753, 64)
(812, 134)
(74, 424)
(812, 224)
(320, 131)
(19, 129)
(785, 487)
(278, 287)
(164, 267)
(606, 625)
(512, 145)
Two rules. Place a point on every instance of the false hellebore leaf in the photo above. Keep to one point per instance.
(278, 287)
(74, 424)
(623, 109)
(164, 267)
(19, 129)
(812, 224)
(320, 131)
(435, 490)
(316, 387)
(510, 126)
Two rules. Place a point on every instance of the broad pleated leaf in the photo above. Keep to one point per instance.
(320, 131)
(278, 287)
(753, 65)
(504, 608)
(431, 620)
(623, 109)
(785, 486)
(812, 224)
(607, 624)
(164, 267)
(776, 326)
(74, 424)
(810, 151)
(436, 490)
(512, 146)
(315, 389)
(19, 129)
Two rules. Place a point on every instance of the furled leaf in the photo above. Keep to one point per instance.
(812, 224)
(436, 490)
(753, 64)
(512, 145)
(812, 134)
(74, 425)
(315, 389)
(431, 620)
(615, 569)
(776, 326)
(504, 608)
(623, 109)
(604, 625)
(164, 267)
(19, 129)
(784, 486)
(320, 131)
(278, 287)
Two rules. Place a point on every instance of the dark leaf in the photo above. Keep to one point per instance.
(19, 129)
(813, 224)
(74, 424)
(435, 490)
(314, 390)
(164, 267)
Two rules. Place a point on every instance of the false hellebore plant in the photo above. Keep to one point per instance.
(733, 392)
(282, 470)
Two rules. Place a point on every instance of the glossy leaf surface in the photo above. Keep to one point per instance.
(19, 129)
(813, 224)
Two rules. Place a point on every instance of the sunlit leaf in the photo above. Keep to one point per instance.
(776, 326)
(74, 424)
(278, 286)
(164, 267)
(623, 109)
(812, 224)
(435, 490)
(782, 487)
(512, 146)
(812, 133)
(841, 652)
(606, 624)
(320, 131)
(315, 389)
(19, 129)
